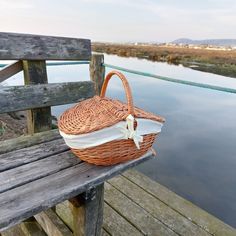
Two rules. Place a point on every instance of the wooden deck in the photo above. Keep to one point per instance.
(135, 206)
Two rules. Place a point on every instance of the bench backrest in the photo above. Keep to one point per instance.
(36, 47)
(32, 51)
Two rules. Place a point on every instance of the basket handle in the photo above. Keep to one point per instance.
(126, 87)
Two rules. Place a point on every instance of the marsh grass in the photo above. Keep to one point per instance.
(213, 61)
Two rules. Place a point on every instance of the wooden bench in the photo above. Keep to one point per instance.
(38, 171)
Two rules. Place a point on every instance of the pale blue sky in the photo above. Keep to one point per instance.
(123, 20)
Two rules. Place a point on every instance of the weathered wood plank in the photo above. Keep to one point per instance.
(35, 72)
(31, 154)
(64, 212)
(31, 228)
(38, 47)
(183, 206)
(87, 212)
(17, 98)
(10, 70)
(14, 231)
(35, 170)
(28, 140)
(52, 224)
(168, 216)
(21, 203)
(39, 119)
(141, 219)
(115, 224)
(105, 233)
(97, 71)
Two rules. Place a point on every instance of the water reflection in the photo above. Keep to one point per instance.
(196, 150)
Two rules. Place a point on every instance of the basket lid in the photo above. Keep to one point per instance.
(100, 112)
(97, 113)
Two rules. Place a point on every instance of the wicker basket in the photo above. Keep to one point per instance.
(97, 113)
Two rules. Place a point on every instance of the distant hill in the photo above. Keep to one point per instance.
(217, 42)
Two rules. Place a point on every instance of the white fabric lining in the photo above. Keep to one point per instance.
(114, 132)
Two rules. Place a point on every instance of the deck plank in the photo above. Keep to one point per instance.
(132, 212)
(172, 219)
(117, 225)
(197, 215)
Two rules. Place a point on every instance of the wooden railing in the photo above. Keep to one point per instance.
(37, 95)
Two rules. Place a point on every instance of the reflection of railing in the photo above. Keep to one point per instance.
(178, 81)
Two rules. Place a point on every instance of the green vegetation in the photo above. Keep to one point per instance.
(214, 61)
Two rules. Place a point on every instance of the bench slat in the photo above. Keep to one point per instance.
(22, 202)
(30, 154)
(38, 47)
(28, 140)
(17, 98)
(36, 170)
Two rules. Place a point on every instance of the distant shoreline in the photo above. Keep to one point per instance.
(221, 62)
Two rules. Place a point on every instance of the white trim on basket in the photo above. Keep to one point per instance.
(115, 132)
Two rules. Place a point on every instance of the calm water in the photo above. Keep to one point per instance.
(196, 149)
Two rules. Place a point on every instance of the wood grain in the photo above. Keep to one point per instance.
(16, 98)
(97, 71)
(31, 228)
(24, 156)
(28, 140)
(35, 170)
(52, 224)
(14, 231)
(175, 221)
(197, 215)
(39, 119)
(118, 225)
(140, 218)
(87, 213)
(21, 203)
(37, 47)
(64, 212)
(10, 70)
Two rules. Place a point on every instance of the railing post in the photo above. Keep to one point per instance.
(38, 119)
(97, 71)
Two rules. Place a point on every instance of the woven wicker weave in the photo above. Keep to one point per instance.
(100, 112)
